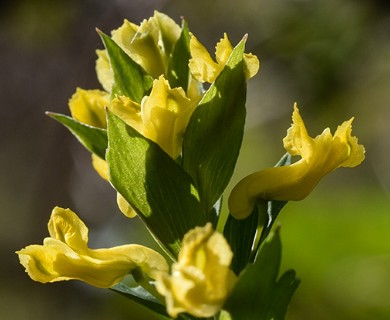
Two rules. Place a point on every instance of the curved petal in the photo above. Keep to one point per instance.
(103, 70)
(319, 156)
(64, 225)
(87, 106)
(149, 44)
(65, 256)
(125, 207)
(202, 66)
(201, 279)
(205, 69)
(165, 115)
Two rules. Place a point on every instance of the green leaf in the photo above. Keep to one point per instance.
(160, 191)
(214, 134)
(255, 227)
(241, 234)
(283, 293)
(269, 210)
(142, 297)
(178, 70)
(130, 79)
(93, 139)
(258, 295)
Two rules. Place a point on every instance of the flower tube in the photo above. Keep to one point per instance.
(65, 256)
(319, 156)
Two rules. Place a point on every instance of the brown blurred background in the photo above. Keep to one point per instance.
(330, 56)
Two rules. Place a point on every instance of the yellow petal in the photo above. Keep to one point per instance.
(87, 106)
(65, 256)
(223, 49)
(165, 115)
(251, 65)
(205, 69)
(201, 279)
(150, 44)
(125, 207)
(64, 225)
(202, 66)
(100, 166)
(319, 156)
(128, 111)
(103, 70)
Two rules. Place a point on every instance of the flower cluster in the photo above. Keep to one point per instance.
(169, 147)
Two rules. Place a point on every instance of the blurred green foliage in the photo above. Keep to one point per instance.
(331, 56)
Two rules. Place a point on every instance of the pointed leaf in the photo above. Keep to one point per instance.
(270, 210)
(283, 293)
(178, 70)
(256, 228)
(258, 295)
(241, 234)
(130, 79)
(142, 297)
(214, 134)
(93, 139)
(160, 191)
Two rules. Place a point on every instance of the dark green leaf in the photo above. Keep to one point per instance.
(93, 139)
(258, 295)
(130, 79)
(269, 210)
(240, 234)
(255, 228)
(156, 186)
(215, 213)
(283, 293)
(144, 298)
(214, 134)
(178, 70)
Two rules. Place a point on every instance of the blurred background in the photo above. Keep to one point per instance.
(332, 57)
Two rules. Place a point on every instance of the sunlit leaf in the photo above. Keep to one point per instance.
(93, 139)
(144, 298)
(178, 70)
(241, 234)
(258, 294)
(130, 79)
(214, 134)
(160, 191)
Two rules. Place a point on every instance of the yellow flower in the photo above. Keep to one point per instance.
(203, 67)
(150, 45)
(319, 156)
(162, 117)
(65, 256)
(201, 279)
(87, 106)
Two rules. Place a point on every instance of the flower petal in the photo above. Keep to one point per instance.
(319, 156)
(165, 115)
(201, 279)
(150, 44)
(202, 66)
(65, 256)
(87, 106)
(205, 69)
(103, 70)
(64, 225)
